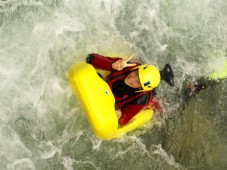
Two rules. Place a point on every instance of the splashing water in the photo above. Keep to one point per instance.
(42, 125)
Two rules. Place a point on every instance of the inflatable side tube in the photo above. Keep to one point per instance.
(96, 98)
(143, 117)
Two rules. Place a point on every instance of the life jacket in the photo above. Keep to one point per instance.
(119, 75)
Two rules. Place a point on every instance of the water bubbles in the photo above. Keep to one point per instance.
(68, 162)
(48, 150)
(24, 163)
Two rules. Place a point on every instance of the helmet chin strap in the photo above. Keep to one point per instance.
(167, 75)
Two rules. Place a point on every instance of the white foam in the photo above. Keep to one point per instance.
(68, 163)
(169, 159)
(64, 22)
(48, 150)
(218, 64)
(24, 163)
(11, 144)
(96, 142)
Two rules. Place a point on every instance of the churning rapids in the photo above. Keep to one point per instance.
(42, 125)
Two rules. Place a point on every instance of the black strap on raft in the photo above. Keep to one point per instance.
(167, 75)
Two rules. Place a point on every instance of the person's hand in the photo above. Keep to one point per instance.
(118, 113)
(122, 63)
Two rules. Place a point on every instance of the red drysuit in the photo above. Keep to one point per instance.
(131, 104)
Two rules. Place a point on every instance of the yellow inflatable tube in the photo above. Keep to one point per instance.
(220, 74)
(98, 102)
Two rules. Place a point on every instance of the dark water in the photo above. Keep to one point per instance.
(42, 125)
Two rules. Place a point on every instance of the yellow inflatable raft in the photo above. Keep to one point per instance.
(98, 102)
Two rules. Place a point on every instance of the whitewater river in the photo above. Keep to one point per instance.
(42, 125)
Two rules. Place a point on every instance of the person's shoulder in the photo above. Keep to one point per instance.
(144, 98)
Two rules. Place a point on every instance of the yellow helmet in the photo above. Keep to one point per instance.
(149, 76)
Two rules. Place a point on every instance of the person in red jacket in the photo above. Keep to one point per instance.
(131, 83)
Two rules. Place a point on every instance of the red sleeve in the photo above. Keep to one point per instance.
(129, 112)
(102, 62)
